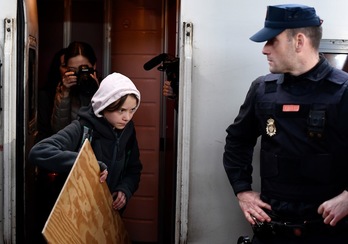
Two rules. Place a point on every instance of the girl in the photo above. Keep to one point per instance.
(113, 139)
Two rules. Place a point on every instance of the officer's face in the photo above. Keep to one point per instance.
(280, 52)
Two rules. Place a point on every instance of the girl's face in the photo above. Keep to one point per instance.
(120, 118)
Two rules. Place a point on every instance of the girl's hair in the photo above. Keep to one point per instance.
(80, 48)
(118, 103)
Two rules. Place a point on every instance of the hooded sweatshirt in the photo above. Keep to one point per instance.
(112, 88)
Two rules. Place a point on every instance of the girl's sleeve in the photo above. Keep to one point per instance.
(58, 152)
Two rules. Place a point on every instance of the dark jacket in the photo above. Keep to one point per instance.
(65, 109)
(117, 149)
(302, 122)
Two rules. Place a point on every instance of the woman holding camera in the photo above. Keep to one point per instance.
(78, 84)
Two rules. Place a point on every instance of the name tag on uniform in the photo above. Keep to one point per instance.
(291, 108)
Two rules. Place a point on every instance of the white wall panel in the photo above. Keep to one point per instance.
(225, 62)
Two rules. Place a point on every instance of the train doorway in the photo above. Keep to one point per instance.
(126, 34)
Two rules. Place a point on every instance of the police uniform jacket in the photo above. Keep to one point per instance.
(303, 124)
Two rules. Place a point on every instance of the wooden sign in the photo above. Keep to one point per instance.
(83, 211)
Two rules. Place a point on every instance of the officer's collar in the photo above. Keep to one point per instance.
(317, 73)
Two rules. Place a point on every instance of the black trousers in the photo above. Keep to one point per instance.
(340, 238)
(313, 231)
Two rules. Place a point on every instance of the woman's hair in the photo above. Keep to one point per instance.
(54, 75)
(80, 48)
(118, 103)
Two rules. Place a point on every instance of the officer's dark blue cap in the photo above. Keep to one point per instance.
(286, 16)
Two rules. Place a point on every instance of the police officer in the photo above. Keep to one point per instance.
(300, 110)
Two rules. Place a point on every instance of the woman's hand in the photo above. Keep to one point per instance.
(94, 76)
(69, 80)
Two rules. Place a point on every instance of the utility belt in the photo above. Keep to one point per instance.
(297, 229)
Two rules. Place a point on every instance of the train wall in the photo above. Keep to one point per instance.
(224, 63)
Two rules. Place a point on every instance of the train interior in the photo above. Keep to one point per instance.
(125, 35)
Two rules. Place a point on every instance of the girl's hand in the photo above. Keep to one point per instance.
(103, 175)
(119, 200)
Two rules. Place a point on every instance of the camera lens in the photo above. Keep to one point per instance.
(86, 84)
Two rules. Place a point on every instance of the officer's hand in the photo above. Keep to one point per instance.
(252, 205)
(334, 209)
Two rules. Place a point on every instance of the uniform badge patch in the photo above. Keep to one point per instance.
(271, 128)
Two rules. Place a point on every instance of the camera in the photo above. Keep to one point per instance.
(85, 83)
(170, 65)
(83, 74)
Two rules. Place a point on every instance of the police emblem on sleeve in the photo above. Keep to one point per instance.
(271, 128)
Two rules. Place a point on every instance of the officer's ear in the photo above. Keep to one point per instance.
(300, 40)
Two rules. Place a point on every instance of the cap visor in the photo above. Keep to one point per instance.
(265, 34)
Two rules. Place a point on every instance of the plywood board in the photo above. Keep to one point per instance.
(83, 211)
